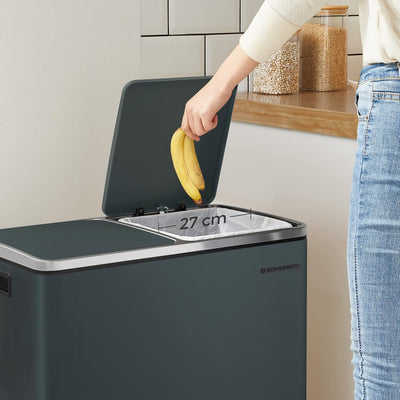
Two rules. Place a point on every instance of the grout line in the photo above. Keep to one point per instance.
(204, 57)
(167, 17)
(193, 34)
(240, 15)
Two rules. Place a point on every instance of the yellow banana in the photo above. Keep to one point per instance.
(192, 163)
(178, 160)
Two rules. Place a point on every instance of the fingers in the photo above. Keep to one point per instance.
(186, 127)
(194, 119)
(196, 124)
(210, 124)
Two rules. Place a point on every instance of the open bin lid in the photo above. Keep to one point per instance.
(140, 171)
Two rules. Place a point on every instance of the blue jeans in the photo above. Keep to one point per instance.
(374, 236)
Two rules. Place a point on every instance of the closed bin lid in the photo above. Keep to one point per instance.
(140, 171)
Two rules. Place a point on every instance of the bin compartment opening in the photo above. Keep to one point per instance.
(206, 223)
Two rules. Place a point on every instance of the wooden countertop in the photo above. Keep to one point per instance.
(328, 113)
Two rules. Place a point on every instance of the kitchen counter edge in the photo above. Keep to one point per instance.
(327, 113)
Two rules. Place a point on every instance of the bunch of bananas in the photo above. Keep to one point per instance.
(187, 165)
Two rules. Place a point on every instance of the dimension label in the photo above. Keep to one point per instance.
(192, 222)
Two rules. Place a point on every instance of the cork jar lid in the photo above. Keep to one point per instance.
(332, 11)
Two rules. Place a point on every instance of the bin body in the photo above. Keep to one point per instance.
(227, 324)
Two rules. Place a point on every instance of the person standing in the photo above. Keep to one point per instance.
(373, 250)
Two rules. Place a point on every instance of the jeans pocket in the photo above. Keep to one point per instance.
(363, 101)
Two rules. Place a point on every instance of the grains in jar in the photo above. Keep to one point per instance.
(324, 51)
(280, 74)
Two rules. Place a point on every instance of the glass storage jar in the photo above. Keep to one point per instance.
(280, 74)
(324, 50)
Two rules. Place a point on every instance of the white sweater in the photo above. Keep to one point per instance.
(278, 20)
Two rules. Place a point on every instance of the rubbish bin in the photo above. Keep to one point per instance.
(159, 298)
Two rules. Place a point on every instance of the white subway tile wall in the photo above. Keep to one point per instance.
(154, 17)
(203, 16)
(353, 67)
(171, 56)
(354, 36)
(193, 37)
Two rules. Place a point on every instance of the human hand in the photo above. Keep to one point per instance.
(200, 114)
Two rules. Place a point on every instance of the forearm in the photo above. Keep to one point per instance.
(234, 69)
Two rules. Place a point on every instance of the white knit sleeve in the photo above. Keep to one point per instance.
(275, 22)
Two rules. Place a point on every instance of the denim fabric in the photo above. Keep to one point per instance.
(374, 236)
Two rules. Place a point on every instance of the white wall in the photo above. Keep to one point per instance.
(63, 66)
(306, 177)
